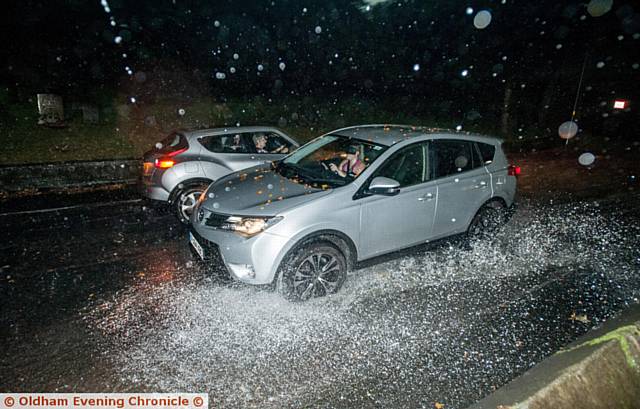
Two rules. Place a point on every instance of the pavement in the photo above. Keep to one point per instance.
(101, 293)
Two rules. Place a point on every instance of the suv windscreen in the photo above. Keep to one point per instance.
(330, 160)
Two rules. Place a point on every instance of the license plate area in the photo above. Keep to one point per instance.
(196, 245)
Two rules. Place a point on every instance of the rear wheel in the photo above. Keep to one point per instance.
(185, 200)
(314, 270)
(488, 219)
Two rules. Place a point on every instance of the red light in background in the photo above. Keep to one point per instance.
(620, 104)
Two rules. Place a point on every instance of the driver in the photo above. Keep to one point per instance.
(260, 141)
(351, 165)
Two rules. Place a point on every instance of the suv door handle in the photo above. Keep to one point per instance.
(481, 185)
(428, 196)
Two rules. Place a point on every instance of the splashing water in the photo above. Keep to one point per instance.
(434, 323)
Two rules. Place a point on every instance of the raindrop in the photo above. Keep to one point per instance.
(260, 67)
(181, 111)
(469, 11)
(211, 195)
(586, 159)
(318, 30)
(133, 100)
(117, 39)
(221, 75)
(482, 19)
(282, 66)
(227, 189)
(464, 73)
(236, 56)
(216, 23)
(558, 46)
(459, 128)
(216, 205)
(367, 8)
(600, 64)
(568, 130)
(269, 186)
(620, 37)
(416, 67)
(232, 70)
(598, 8)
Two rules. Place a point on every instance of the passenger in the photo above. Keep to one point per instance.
(351, 165)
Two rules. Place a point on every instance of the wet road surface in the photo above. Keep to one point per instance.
(106, 296)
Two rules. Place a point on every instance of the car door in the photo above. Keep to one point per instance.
(390, 223)
(463, 184)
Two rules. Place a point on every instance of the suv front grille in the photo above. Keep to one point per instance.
(215, 220)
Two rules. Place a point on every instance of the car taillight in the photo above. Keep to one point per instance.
(147, 168)
(514, 170)
(164, 163)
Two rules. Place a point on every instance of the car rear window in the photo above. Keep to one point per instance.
(173, 142)
(487, 152)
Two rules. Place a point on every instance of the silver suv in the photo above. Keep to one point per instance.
(181, 166)
(352, 194)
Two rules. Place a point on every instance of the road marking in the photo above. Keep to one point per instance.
(56, 209)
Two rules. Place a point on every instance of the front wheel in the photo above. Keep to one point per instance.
(488, 219)
(314, 270)
(185, 201)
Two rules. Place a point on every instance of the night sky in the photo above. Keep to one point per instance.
(437, 57)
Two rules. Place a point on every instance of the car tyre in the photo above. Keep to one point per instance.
(185, 200)
(313, 270)
(487, 220)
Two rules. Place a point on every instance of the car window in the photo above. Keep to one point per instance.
(269, 142)
(450, 157)
(228, 143)
(487, 152)
(408, 166)
(171, 143)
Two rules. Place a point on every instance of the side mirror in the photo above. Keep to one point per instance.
(384, 186)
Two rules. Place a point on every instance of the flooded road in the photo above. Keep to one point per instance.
(107, 297)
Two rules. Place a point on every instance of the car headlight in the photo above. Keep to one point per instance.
(249, 226)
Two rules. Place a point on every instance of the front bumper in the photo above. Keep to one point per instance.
(251, 260)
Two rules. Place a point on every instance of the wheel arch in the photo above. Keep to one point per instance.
(344, 243)
(186, 183)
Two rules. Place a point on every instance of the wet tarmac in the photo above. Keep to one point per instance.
(105, 295)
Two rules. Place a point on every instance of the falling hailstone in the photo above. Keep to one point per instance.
(600, 64)
(236, 56)
(469, 11)
(232, 70)
(568, 130)
(260, 67)
(416, 67)
(459, 128)
(220, 75)
(216, 23)
(464, 73)
(181, 112)
(482, 19)
(586, 159)
(281, 66)
(318, 30)
(598, 8)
